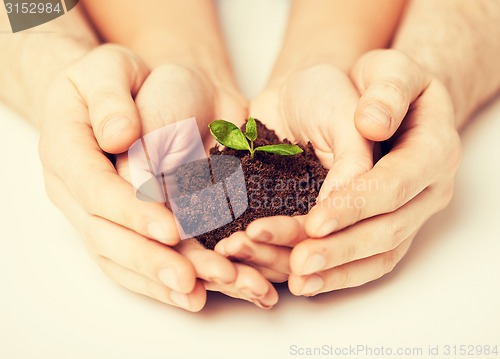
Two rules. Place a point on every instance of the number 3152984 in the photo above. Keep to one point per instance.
(32, 8)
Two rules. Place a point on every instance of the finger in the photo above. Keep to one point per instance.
(272, 275)
(193, 301)
(369, 237)
(126, 248)
(108, 79)
(328, 123)
(249, 285)
(92, 180)
(147, 257)
(239, 246)
(209, 266)
(349, 275)
(278, 230)
(425, 152)
(347, 165)
(389, 82)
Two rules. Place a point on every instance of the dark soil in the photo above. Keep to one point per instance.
(217, 200)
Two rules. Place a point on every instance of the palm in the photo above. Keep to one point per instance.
(317, 105)
(173, 93)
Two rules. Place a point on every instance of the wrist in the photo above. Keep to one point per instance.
(293, 59)
(207, 57)
(35, 62)
(335, 32)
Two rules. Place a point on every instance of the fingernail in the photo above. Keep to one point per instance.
(180, 299)
(378, 115)
(262, 305)
(158, 231)
(115, 126)
(327, 227)
(315, 263)
(313, 284)
(168, 277)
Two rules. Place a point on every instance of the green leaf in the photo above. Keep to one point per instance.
(251, 129)
(227, 134)
(282, 149)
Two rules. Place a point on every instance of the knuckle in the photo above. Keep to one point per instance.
(125, 217)
(455, 151)
(270, 260)
(445, 196)
(90, 195)
(115, 53)
(43, 149)
(389, 261)
(151, 290)
(400, 188)
(348, 253)
(92, 243)
(101, 102)
(397, 88)
(396, 230)
(341, 277)
(105, 266)
(138, 261)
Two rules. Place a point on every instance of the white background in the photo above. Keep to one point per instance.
(55, 302)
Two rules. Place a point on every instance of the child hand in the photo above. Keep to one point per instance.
(169, 94)
(316, 104)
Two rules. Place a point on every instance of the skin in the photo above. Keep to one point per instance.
(421, 88)
(86, 91)
(191, 77)
(421, 75)
(323, 38)
(310, 97)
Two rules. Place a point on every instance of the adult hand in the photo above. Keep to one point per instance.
(345, 246)
(315, 104)
(90, 112)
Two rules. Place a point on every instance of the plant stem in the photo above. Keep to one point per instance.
(252, 151)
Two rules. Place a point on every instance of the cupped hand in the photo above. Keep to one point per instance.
(359, 233)
(315, 104)
(90, 113)
(169, 95)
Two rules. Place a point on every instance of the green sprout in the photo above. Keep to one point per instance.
(229, 135)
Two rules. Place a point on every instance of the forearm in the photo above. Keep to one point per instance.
(457, 41)
(184, 32)
(336, 32)
(30, 60)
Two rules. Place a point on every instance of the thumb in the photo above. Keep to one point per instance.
(388, 82)
(108, 81)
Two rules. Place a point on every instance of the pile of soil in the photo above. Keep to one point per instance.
(272, 185)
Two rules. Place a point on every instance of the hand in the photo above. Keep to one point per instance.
(90, 111)
(169, 94)
(349, 246)
(316, 104)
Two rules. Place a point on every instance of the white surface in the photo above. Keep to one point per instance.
(55, 303)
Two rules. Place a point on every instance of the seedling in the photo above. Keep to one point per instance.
(229, 135)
